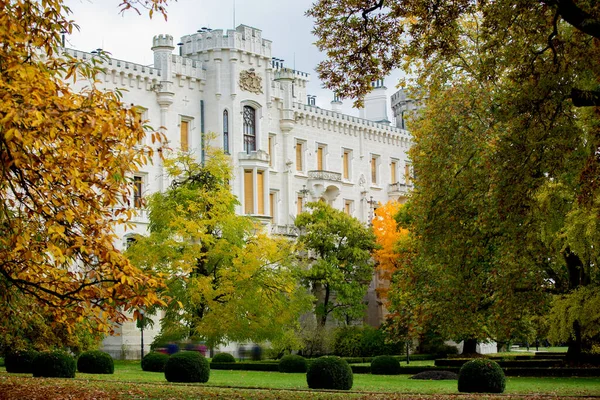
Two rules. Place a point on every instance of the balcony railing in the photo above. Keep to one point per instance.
(325, 175)
(398, 187)
(142, 216)
(285, 230)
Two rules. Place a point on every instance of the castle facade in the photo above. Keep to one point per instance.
(285, 150)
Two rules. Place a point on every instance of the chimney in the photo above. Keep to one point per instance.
(336, 104)
(375, 108)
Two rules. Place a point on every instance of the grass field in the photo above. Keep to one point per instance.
(130, 382)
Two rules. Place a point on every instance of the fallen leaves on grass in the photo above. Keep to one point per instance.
(20, 387)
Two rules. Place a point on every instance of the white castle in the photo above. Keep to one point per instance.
(285, 150)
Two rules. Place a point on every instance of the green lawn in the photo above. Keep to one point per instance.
(131, 371)
(152, 385)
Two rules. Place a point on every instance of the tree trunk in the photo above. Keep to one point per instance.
(575, 344)
(323, 320)
(470, 346)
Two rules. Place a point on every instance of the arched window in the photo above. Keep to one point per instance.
(226, 132)
(249, 129)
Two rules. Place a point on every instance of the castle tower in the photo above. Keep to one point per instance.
(162, 46)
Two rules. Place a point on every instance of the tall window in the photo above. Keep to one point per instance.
(320, 158)
(271, 149)
(300, 205)
(272, 206)
(184, 135)
(393, 167)
(226, 132)
(299, 156)
(260, 190)
(348, 206)
(254, 191)
(374, 160)
(346, 165)
(138, 186)
(248, 192)
(407, 173)
(249, 129)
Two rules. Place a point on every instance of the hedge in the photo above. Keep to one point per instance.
(95, 362)
(187, 366)
(411, 370)
(458, 362)
(246, 366)
(54, 364)
(20, 362)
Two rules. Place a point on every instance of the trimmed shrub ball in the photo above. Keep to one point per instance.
(481, 376)
(54, 364)
(20, 362)
(385, 365)
(154, 362)
(187, 366)
(223, 358)
(292, 363)
(435, 375)
(329, 372)
(95, 362)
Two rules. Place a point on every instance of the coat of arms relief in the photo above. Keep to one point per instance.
(251, 82)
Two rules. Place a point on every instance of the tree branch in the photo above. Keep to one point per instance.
(585, 98)
(580, 19)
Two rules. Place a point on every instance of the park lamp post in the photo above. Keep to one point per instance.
(142, 332)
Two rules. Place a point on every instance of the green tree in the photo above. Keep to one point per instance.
(504, 213)
(339, 261)
(226, 278)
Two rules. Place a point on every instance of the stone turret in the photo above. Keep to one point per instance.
(162, 46)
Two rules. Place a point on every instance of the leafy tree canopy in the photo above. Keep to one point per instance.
(65, 163)
(227, 279)
(505, 206)
(339, 260)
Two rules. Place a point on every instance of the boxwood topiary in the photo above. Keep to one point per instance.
(54, 364)
(154, 362)
(20, 362)
(223, 358)
(95, 362)
(385, 365)
(187, 366)
(329, 372)
(481, 376)
(292, 363)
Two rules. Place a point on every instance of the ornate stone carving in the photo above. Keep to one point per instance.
(251, 82)
(325, 175)
(362, 181)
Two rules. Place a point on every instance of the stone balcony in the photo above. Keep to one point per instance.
(258, 158)
(399, 190)
(284, 230)
(325, 175)
(324, 185)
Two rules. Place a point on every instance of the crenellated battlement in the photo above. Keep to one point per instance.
(350, 125)
(187, 67)
(162, 41)
(288, 73)
(119, 69)
(243, 38)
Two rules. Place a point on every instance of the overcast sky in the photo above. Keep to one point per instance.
(129, 36)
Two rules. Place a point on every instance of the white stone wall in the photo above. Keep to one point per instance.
(209, 74)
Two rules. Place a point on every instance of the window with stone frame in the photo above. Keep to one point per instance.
(249, 126)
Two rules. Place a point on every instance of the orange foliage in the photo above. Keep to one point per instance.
(65, 163)
(387, 235)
